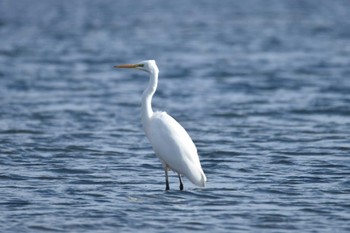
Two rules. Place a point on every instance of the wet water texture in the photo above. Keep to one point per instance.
(262, 87)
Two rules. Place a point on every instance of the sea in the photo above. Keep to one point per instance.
(261, 86)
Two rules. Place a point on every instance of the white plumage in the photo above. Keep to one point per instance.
(176, 149)
(170, 141)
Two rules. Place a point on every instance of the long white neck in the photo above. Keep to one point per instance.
(146, 108)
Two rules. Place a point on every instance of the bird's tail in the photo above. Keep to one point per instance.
(198, 179)
(203, 179)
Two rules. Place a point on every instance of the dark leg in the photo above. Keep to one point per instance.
(166, 180)
(181, 184)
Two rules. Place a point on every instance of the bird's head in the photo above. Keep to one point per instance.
(149, 66)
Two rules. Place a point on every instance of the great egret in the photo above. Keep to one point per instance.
(170, 141)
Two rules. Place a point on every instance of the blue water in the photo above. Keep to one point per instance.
(262, 87)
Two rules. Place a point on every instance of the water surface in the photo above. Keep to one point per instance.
(262, 87)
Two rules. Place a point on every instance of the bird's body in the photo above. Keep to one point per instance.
(170, 141)
(175, 149)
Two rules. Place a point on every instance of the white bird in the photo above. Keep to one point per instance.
(170, 141)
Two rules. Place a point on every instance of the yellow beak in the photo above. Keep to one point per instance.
(127, 66)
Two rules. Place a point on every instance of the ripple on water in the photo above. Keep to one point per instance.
(263, 96)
